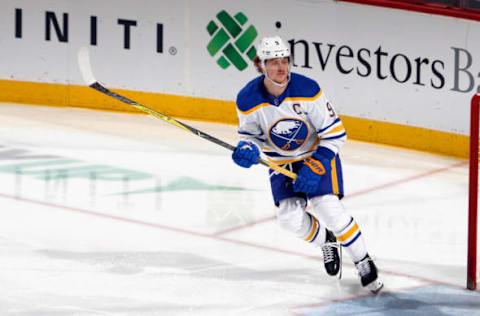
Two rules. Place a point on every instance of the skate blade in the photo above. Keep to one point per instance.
(341, 262)
(338, 275)
(375, 286)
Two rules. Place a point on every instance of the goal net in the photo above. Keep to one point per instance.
(472, 261)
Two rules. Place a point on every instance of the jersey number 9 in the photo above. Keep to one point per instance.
(331, 111)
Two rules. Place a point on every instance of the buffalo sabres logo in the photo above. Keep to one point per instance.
(288, 134)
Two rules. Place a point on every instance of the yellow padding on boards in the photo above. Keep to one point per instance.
(225, 112)
(406, 136)
(83, 96)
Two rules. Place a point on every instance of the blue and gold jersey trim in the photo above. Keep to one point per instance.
(293, 99)
(254, 95)
(333, 131)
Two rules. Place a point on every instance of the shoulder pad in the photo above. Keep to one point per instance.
(303, 87)
(250, 96)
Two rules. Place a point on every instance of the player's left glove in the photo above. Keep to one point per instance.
(314, 167)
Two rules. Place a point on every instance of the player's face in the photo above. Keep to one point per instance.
(277, 69)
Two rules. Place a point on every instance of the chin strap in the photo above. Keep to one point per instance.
(281, 85)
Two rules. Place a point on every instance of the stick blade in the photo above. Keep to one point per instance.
(85, 66)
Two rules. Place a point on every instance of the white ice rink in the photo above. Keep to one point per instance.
(116, 214)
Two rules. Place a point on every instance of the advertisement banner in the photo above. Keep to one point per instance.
(373, 63)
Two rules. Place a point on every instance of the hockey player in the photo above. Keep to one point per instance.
(288, 117)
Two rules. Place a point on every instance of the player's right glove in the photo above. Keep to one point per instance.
(314, 167)
(246, 154)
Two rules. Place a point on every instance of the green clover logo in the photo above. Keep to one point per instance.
(231, 40)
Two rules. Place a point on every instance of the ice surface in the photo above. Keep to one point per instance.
(116, 214)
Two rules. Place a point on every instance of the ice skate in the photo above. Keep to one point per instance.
(332, 255)
(368, 274)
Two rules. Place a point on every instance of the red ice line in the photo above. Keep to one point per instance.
(354, 194)
(216, 236)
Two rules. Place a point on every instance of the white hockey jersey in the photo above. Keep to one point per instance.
(290, 127)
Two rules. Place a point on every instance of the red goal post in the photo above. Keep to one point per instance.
(473, 194)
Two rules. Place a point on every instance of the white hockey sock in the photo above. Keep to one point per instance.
(352, 241)
(317, 233)
(330, 211)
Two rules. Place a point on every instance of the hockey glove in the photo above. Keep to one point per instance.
(246, 154)
(308, 177)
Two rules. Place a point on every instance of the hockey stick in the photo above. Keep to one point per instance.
(87, 74)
